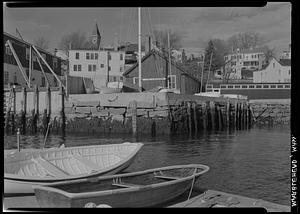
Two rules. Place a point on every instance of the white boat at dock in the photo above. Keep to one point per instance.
(39, 167)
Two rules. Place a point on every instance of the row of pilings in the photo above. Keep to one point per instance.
(26, 116)
(37, 110)
(193, 118)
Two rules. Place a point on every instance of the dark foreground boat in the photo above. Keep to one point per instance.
(40, 167)
(137, 189)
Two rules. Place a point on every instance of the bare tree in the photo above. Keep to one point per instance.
(41, 42)
(74, 40)
(245, 40)
(161, 38)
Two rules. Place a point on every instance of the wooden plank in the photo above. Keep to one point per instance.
(49, 167)
(166, 177)
(122, 184)
(86, 162)
(83, 110)
(87, 103)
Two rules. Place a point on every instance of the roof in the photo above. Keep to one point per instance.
(285, 62)
(152, 52)
(29, 44)
(133, 48)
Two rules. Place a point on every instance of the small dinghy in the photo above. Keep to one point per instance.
(147, 188)
(39, 167)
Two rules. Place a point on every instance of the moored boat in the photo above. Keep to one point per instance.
(40, 167)
(146, 188)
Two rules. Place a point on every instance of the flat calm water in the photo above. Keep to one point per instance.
(253, 163)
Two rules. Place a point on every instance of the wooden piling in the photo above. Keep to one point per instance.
(14, 111)
(212, 114)
(194, 107)
(188, 108)
(36, 109)
(48, 101)
(23, 111)
(153, 129)
(18, 139)
(204, 115)
(219, 117)
(237, 112)
(227, 114)
(7, 121)
(133, 108)
(62, 112)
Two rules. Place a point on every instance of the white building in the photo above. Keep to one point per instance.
(276, 71)
(101, 66)
(245, 59)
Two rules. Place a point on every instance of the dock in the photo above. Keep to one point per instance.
(153, 113)
(199, 199)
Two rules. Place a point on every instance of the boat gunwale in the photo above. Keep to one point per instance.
(32, 179)
(51, 187)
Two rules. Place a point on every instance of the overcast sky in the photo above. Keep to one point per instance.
(196, 25)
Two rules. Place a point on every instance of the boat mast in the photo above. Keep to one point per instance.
(140, 55)
(169, 76)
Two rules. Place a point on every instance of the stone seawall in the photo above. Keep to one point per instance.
(271, 111)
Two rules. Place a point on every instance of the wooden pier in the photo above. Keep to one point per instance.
(200, 199)
(31, 110)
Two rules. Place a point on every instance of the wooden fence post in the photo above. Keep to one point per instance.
(227, 114)
(212, 114)
(188, 106)
(204, 116)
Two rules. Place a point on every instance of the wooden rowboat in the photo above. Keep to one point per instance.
(137, 189)
(40, 167)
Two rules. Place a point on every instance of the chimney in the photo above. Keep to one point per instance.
(116, 43)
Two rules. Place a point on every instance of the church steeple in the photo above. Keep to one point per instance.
(95, 37)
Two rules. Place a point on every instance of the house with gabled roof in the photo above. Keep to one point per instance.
(276, 71)
(156, 73)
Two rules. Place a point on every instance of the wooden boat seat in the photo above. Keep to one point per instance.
(166, 177)
(122, 184)
(50, 168)
(86, 162)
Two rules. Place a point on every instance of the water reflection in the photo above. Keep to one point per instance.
(253, 163)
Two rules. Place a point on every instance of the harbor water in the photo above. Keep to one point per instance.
(254, 163)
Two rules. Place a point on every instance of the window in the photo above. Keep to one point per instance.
(114, 79)
(101, 65)
(172, 81)
(8, 51)
(273, 86)
(90, 68)
(251, 86)
(135, 80)
(96, 55)
(266, 86)
(87, 56)
(121, 56)
(223, 86)
(75, 67)
(94, 67)
(27, 53)
(209, 86)
(79, 67)
(43, 82)
(55, 81)
(77, 56)
(279, 86)
(44, 56)
(230, 86)
(6, 77)
(244, 86)
(121, 78)
(237, 86)
(109, 68)
(287, 86)
(92, 55)
(258, 86)
(15, 78)
(54, 62)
